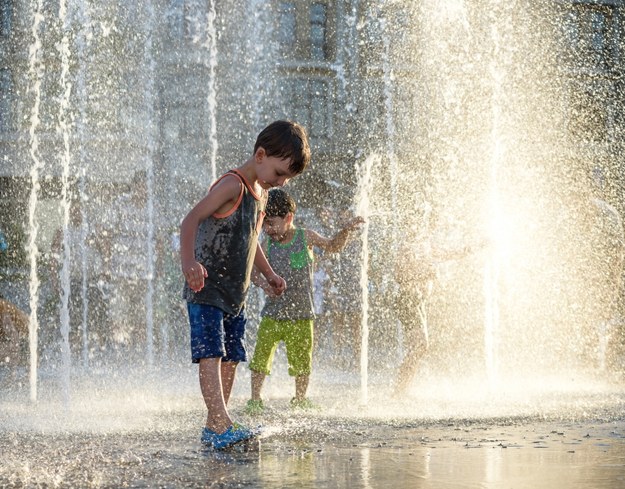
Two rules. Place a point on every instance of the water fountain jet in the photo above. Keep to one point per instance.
(464, 113)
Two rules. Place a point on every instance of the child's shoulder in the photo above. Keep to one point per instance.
(228, 181)
(232, 176)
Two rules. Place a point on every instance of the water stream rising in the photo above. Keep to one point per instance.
(63, 121)
(35, 71)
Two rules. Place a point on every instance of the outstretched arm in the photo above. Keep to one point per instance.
(338, 241)
(440, 254)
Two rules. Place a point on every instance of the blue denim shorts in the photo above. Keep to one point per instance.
(216, 334)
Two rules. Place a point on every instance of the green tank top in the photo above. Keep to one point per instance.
(294, 262)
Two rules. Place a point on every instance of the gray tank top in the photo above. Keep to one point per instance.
(294, 262)
(226, 246)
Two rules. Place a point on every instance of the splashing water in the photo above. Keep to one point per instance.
(211, 47)
(65, 203)
(35, 70)
(82, 15)
(456, 124)
(362, 207)
(465, 126)
(151, 155)
(497, 222)
(84, 297)
(259, 50)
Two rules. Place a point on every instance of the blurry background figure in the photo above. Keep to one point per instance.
(320, 279)
(89, 328)
(13, 331)
(416, 270)
(607, 242)
(343, 298)
(126, 263)
(13, 338)
(322, 297)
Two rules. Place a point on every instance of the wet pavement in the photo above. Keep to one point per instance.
(142, 433)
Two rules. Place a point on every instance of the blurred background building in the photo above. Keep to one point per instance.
(175, 92)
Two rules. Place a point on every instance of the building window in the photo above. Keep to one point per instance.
(304, 29)
(591, 36)
(310, 105)
(6, 17)
(287, 30)
(175, 19)
(186, 20)
(6, 100)
(319, 109)
(373, 37)
(318, 28)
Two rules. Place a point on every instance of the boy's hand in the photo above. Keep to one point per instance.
(354, 223)
(195, 275)
(277, 284)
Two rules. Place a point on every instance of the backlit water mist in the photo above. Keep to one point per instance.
(482, 137)
(448, 124)
(467, 145)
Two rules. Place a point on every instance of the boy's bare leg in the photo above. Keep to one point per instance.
(228, 371)
(257, 384)
(218, 419)
(348, 337)
(301, 386)
(405, 373)
(416, 346)
(356, 339)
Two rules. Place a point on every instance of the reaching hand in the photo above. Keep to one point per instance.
(354, 223)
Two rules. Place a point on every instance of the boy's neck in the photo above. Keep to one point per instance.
(248, 170)
(288, 235)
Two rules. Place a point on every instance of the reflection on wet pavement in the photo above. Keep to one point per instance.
(140, 438)
(522, 456)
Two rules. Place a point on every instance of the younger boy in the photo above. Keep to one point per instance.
(289, 317)
(218, 248)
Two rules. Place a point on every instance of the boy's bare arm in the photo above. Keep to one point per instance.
(277, 283)
(260, 281)
(220, 198)
(440, 254)
(338, 241)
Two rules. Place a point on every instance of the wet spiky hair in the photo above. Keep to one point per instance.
(286, 139)
(279, 203)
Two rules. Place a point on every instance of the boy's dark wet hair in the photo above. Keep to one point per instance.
(279, 203)
(286, 139)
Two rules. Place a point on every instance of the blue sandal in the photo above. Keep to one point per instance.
(232, 436)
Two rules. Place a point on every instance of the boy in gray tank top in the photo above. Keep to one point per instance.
(218, 249)
(289, 317)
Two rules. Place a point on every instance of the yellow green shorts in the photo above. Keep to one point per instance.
(298, 340)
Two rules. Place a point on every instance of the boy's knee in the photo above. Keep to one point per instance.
(299, 372)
